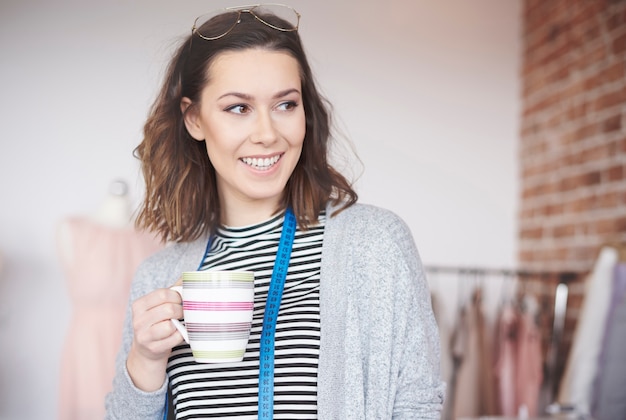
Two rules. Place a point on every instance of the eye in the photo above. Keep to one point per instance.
(238, 109)
(287, 106)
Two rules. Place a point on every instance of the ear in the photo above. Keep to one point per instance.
(191, 119)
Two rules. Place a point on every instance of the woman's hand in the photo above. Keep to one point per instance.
(154, 337)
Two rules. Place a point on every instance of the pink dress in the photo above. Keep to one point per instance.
(99, 274)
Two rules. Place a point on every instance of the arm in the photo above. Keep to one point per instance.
(379, 350)
(415, 353)
(140, 385)
(420, 391)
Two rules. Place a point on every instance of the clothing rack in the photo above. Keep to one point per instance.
(562, 276)
(562, 280)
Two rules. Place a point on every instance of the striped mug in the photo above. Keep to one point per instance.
(217, 309)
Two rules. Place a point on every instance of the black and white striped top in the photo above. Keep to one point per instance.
(227, 390)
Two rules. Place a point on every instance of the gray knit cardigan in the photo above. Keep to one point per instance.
(379, 345)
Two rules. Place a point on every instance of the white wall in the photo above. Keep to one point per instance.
(426, 90)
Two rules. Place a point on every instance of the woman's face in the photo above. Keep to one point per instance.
(252, 119)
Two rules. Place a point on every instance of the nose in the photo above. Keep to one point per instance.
(265, 128)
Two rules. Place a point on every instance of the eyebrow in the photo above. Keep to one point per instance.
(245, 96)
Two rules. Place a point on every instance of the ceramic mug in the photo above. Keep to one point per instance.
(217, 308)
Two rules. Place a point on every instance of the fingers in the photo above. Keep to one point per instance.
(157, 341)
(154, 333)
(156, 298)
(156, 306)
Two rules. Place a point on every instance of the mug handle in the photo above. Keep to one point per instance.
(178, 324)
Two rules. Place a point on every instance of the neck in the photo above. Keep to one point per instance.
(246, 214)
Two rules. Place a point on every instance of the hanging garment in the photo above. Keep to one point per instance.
(609, 396)
(505, 369)
(99, 274)
(529, 358)
(459, 342)
(576, 384)
(486, 380)
(474, 391)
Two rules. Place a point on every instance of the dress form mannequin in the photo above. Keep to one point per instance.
(99, 253)
(115, 210)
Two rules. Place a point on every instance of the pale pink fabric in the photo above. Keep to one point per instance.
(529, 363)
(98, 279)
(467, 396)
(506, 359)
(474, 381)
(519, 366)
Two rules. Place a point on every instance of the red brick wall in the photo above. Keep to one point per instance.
(572, 150)
(573, 132)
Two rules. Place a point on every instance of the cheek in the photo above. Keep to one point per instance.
(300, 131)
(221, 137)
(217, 148)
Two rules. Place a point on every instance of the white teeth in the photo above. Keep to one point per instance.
(261, 164)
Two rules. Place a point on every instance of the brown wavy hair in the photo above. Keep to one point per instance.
(181, 202)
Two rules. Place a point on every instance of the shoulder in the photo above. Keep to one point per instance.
(370, 246)
(366, 220)
(164, 267)
(370, 237)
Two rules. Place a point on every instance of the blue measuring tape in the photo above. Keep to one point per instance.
(274, 296)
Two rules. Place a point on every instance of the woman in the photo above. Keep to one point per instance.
(237, 143)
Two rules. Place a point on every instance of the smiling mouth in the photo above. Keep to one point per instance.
(261, 164)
